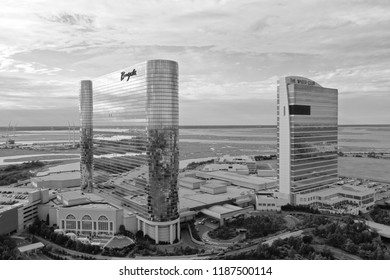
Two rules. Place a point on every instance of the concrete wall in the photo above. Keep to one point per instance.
(9, 221)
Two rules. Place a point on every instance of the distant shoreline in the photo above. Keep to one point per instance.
(48, 128)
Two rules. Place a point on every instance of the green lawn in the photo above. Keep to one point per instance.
(365, 168)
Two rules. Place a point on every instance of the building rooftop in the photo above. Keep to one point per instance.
(225, 166)
(214, 185)
(97, 206)
(119, 242)
(190, 180)
(238, 177)
(138, 199)
(30, 247)
(229, 158)
(77, 197)
(346, 189)
(189, 198)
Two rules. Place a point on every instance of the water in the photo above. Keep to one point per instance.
(203, 142)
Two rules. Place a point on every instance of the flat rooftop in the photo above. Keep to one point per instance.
(78, 194)
(138, 199)
(97, 206)
(346, 189)
(231, 176)
(189, 180)
(189, 198)
(30, 247)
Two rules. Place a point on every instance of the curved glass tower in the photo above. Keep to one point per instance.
(86, 135)
(307, 135)
(135, 143)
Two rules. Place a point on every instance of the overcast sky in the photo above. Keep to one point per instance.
(230, 54)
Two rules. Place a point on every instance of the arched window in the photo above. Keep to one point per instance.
(103, 223)
(86, 223)
(70, 222)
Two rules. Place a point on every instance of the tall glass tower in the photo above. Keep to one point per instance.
(135, 144)
(307, 135)
(86, 135)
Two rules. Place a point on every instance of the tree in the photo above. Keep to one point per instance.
(122, 229)
(307, 239)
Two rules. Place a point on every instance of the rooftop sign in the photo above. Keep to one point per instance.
(128, 74)
(301, 81)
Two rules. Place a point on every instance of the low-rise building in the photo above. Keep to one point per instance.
(214, 187)
(190, 182)
(58, 180)
(86, 214)
(339, 198)
(249, 161)
(19, 207)
(270, 201)
(238, 168)
(245, 181)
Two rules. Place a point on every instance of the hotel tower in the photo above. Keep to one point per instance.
(135, 143)
(306, 136)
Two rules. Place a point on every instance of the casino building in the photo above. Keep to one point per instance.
(134, 148)
(306, 136)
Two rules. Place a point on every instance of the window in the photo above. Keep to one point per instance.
(70, 222)
(299, 110)
(86, 222)
(103, 223)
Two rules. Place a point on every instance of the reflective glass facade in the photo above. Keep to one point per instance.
(307, 135)
(135, 141)
(86, 135)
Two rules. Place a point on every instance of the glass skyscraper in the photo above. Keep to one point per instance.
(307, 135)
(86, 135)
(135, 143)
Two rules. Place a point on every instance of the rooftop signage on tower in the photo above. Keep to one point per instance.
(128, 74)
(300, 81)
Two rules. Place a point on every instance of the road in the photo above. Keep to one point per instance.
(268, 241)
(337, 253)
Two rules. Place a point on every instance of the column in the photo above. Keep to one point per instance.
(178, 230)
(138, 224)
(156, 234)
(144, 227)
(171, 234)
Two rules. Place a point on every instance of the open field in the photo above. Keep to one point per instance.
(365, 168)
(19, 152)
(41, 158)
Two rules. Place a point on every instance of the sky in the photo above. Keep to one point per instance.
(230, 54)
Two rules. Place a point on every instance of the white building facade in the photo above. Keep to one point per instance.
(307, 136)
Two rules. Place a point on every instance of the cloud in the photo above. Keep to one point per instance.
(27, 93)
(226, 50)
(84, 21)
(260, 24)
